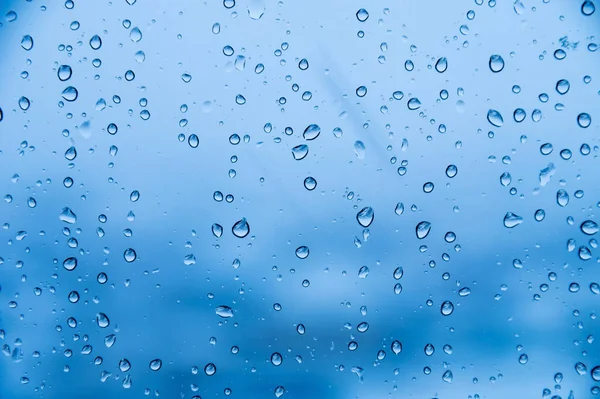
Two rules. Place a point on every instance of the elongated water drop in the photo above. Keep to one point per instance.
(495, 118)
(365, 216)
(311, 132)
(423, 229)
(512, 220)
(224, 311)
(300, 152)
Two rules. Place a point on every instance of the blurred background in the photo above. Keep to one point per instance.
(299, 199)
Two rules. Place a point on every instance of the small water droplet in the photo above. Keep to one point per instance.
(276, 359)
(241, 228)
(302, 252)
(441, 65)
(95, 42)
(155, 364)
(210, 369)
(135, 35)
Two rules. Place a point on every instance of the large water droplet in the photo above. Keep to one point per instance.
(210, 369)
(70, 264)
(588, 8)
(71, 153)
(365, 216)
(279, 391)
(224, 311)
(495, 118)
(302, 252)
(102, 320)
(423, 229)
(512, 220)
(95, 42)
(300, 152)
(129, 255)
(155, 364)
(311, 132)
(396, 347)
(241, 228)
(414, 104)
(589, 227)
(276, 359)
(362, 15)
(441, 65)
(217, 230)
(447, 376)
(70, 94)
(496, 63)
(24, 103)
(135, 35)
(27, 42)
(562, 198)
(584, 120)
(447, 308)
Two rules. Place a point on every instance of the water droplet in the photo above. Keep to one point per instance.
(396, 347)
(413, 104)
(441, 65)
(95, 42)
(300, 329)
(361, 91)
(256, 9)
(495, 118)
(589, 227)
(359, 149)
(240, 100)
(31, 202)
(276, 359)
(399, 210)
(447, 308)
(224, 311)
(217, 230)
(362, 15)
(584, 120)
(241, 228)
(124, 365)
(67, 216)
(27, 42)
(496, 63)
(210, 369)
(71, 153)
(580, 368)
(279, 391)
(596, 373)
(155, 364)
(464, 292)
(70, 94)
(300, 152)
(129, 255)
(588, 8)
(70, 264)
(365, 216)
(303, 64)
(311, 132)
(447, 376)
(562, 198)
(362, 327)
(134, 196)
(523, 359)
(423, 229)
(24, 103)
(102, 320)
(193, 140)
(135, 35)
(363, 272)
(519, 115)
(302, 252)
(563, 86)
(451, 171)
(310, 183)
(539, 215)
(512, 220)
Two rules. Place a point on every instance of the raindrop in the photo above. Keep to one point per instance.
(27, 42)
(300, 152)
(562, 198)
(441, 65)
(495, 118)
(303, 64)
(588, 8)
(240, 100)
(302, 252)
(496, 63)
(365, 216)
(423, 229)
(129, 255)
(70, 264)
(95, 42)
(584, 120)
(67, 216)
(362, 15)
(135, 35)
(451, 171)
(512, 220)
(210, 369)
(70, 94)
(134, 196)
(539, 215)
(241, 228)
(276, 359)
(24, 103)
(396, 347)
(359, 149)
(155, 364)
(399, 210)
(447, 308)
(414, 104)
(279, 391)
(310, 183)
(102, 320)
(124, 365)
(447, 376)
(217, 230)
(589, 227)
(311, 132)
(363, 272)
(362, 327)
(580, 368)
(361, 91)
(563, 86)
(224, 311)
(71, 153)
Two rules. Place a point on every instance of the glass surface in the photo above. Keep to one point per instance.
(299, 199)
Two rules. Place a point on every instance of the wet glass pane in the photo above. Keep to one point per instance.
(299, 199)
